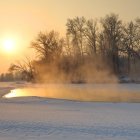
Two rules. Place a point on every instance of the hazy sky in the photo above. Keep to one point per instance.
(23, 19)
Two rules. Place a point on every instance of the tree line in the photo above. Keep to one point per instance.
(91, 51)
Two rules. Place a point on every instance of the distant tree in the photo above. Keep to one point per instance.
(25, 68)
(6, 77)
(2, 77)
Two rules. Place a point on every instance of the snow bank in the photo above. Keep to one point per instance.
(34, 118)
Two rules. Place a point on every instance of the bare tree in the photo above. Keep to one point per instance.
(131, 42)
(25, 68)
(138, 34)
(112, 29)
(75, 31)
(128, 42)
(48, 45)
(85, 49)
(91, 36)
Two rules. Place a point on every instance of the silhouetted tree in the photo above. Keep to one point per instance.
(128, 42)
(88, 48)
(112, 29)
(48, 45)
(75, 32)
(91, 36)
(25, 68)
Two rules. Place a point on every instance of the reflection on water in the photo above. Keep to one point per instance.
(16, 93)
(106, 93)
(11, 94)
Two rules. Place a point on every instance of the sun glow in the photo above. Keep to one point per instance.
(9, 45)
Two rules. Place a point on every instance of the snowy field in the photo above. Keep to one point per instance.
(37, 118)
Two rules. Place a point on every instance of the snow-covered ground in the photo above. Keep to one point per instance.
(37, 118)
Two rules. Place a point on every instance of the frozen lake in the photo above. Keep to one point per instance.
(37, 118)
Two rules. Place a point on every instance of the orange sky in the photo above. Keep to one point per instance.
(23, 19)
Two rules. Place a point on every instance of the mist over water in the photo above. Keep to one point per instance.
(82, 92)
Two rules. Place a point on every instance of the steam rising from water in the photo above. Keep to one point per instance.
(82, 92)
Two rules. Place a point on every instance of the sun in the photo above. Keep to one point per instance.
(9, 45)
